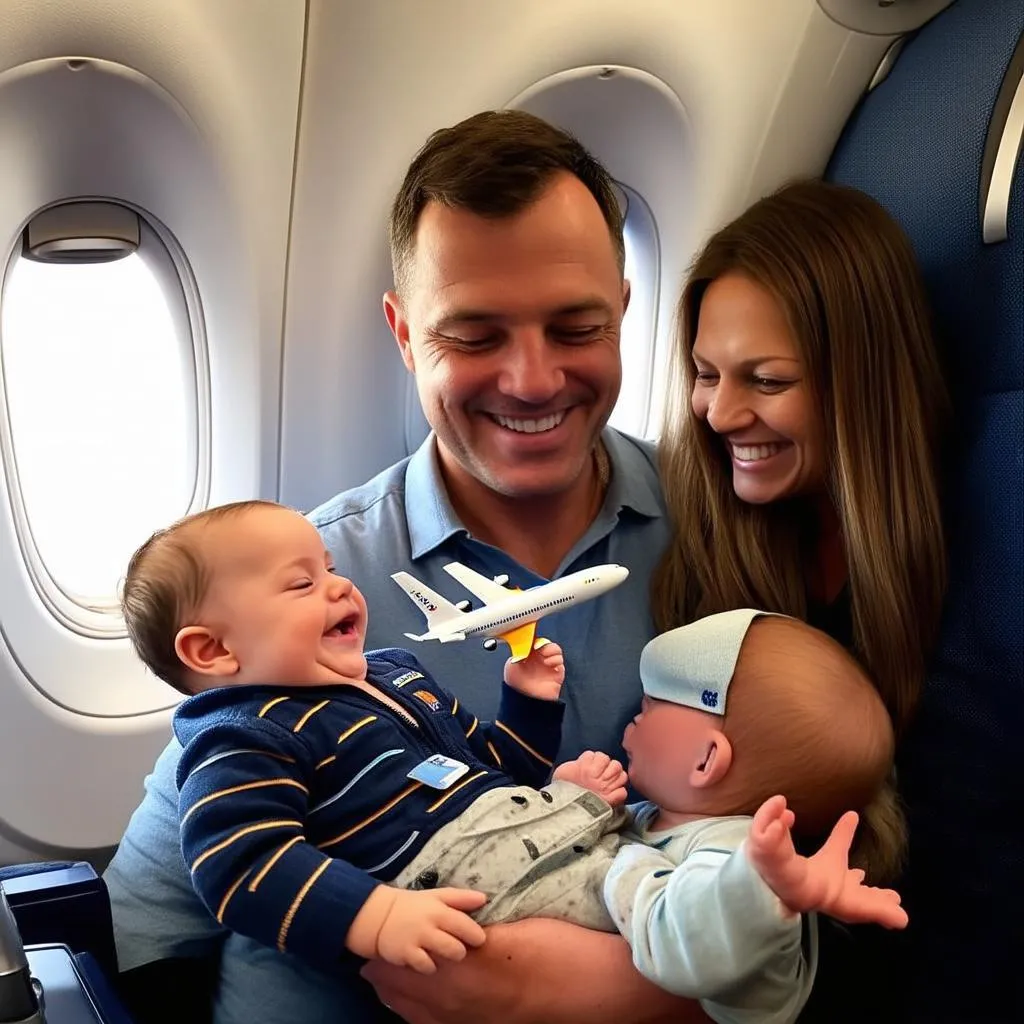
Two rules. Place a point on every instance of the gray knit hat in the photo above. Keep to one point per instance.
(693, 665)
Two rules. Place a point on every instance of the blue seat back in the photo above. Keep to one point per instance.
(62, 901)
(917, 143)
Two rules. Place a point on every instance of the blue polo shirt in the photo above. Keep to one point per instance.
(402, 519)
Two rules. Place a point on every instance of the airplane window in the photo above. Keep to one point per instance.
(632, 412)
(100, 398)
(636, 125)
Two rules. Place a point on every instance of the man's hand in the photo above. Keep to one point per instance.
(410, 928)
(824, 882)
(540, 674)
(536, 971)
(597, 772)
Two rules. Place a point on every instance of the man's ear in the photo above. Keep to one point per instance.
(627, 290)
(395, 316)
(715, 761)
(201, 652)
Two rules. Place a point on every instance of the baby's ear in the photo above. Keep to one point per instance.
(201, 652)
(714, 763)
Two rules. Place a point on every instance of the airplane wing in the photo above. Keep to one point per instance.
(485, 589)
(521, 640)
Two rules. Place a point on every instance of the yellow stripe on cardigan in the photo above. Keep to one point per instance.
(526, 746)
(372, 818)
(231, 892)
(258, 784)
(248, 830)
(296, 903)
(352, 728)
(309, 714)
(271, 703)
(451, 792)
(281, 851)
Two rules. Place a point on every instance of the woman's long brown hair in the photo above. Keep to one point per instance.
(846, 278)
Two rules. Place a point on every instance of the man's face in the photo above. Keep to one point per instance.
(511, 327)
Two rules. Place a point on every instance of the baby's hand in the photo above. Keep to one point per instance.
(540, 674)
(427, 923)
(824, 882)
(597, 772)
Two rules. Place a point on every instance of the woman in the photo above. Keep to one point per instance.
(800, 449)
(799, 461)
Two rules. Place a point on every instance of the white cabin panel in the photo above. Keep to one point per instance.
(186, 111)
(262, 142)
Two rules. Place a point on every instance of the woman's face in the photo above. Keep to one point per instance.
(751, 390)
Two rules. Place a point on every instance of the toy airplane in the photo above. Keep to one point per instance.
(508, 614)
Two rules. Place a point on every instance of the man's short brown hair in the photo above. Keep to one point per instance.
(494, 164)
(166, 582)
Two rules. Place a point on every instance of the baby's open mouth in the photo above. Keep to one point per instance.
(343, 627)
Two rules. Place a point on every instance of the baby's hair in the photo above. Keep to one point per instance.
(805, 720)
(166, 582)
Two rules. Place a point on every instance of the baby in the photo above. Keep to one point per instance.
(746, 714)
(312, 772)
(750, 724)
(332, 800)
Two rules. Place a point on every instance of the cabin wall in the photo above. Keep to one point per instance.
(266, 139)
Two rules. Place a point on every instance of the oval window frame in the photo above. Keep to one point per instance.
(640, 233)
(650, 157)
(165, 259)
(639, 128)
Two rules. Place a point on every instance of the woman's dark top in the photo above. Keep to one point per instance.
(858, 979)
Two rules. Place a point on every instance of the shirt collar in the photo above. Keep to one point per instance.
(634, 482)
(432, 520)
(428, 512)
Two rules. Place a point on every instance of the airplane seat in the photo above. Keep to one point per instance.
(62, 915)
(66, 903)
(936, 142)
(62, 901)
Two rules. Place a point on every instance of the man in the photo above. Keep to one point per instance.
(507, 248)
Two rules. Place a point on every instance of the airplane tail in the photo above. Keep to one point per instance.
(438, 610)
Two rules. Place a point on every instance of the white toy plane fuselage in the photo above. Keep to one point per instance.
(509, 615)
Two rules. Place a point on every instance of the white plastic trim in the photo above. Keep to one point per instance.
(882, 17)
(1002, 151)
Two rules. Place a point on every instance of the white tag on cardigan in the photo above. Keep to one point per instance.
(438, 771)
